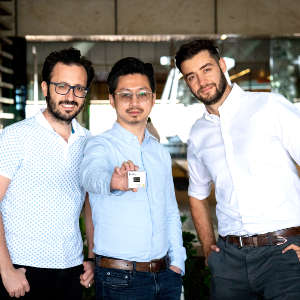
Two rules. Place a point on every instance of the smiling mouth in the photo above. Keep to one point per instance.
(68, 105)
(206, 88)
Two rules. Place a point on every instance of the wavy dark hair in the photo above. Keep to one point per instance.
(190, 49)
(70, 56)
(126, 66)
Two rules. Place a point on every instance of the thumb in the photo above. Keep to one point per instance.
(215, 248)
(23, 270)
(85, 265)
(118, 171)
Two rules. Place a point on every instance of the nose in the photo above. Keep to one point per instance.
(70, 95)
(134, 100)
(200, 81)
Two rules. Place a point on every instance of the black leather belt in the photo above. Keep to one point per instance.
(267, 239)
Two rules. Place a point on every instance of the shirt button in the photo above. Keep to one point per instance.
(108, 273)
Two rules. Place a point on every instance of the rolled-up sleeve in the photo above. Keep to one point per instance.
(199, 177)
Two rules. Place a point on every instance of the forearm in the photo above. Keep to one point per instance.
(89, 227)
(5, 261)
(95, 180)
(203, 223)
(14, 280)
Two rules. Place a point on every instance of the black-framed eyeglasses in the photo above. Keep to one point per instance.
(64, 88)
(141, 96)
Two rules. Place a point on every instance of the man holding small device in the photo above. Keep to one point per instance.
(137, 228)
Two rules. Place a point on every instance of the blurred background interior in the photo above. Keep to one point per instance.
(259, 38)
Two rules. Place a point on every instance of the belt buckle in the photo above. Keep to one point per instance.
(241, 244)
(150, 267)
(283, 242)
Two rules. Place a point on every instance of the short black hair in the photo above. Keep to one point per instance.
(190, 49)
(70, 56)
(126, 66)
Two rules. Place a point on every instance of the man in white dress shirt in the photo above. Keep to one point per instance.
(247, 145)
(40, 195)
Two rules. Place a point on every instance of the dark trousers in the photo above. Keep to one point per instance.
(62, 284)
(250, 273)
(113, 284)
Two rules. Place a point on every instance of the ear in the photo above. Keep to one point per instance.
(153, 98)
(44, 86)
(112, 100)
(222, 64)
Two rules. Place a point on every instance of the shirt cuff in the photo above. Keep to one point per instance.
(178, 260)
(197, 195)
(117, 192)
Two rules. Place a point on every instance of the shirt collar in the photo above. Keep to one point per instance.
(148, 136)
(125, 134)
(77, 128)
(232, 102)
(229, 106)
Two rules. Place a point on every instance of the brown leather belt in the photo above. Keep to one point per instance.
(153, 266)
(267, 239)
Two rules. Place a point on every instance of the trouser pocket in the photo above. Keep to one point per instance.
(113, 278)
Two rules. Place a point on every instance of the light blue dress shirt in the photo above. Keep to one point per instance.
(137, 226)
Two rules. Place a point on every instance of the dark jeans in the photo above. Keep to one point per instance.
(252, 273)
(62, 284)
(113, 284)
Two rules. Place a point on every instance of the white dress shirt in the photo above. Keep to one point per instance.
(41, 207)
(248, 153)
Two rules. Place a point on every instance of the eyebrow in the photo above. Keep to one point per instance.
(133, 89)
(201, 68)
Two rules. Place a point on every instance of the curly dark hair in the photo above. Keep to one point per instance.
(129, 65)
(70, 56)
(190, 49)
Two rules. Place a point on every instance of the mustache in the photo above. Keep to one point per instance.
(68, 102)
(134, 109)
(205, 86)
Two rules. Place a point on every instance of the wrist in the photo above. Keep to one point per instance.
(6, 269)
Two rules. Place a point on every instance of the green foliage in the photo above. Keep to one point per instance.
(196, 280)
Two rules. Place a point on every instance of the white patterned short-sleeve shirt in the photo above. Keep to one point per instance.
(42, 205)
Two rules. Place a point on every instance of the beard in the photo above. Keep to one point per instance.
(135, 121)
(216, 97)
(53, 109)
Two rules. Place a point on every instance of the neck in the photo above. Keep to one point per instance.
(62, 128)
(137, 129)
(214, 108)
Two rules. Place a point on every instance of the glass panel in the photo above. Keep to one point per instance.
(285, 68)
